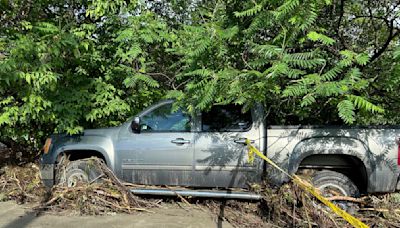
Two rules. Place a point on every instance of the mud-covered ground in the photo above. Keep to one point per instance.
(13, 215)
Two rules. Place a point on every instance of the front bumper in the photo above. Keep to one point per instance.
(47, 174)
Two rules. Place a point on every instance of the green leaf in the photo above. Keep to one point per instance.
(308, 100)
(362, 103)
(346, 111)
(140, 78)
(249, 12)
(314, 36)
(362, 59)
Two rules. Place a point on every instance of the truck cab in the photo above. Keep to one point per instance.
(162, 146)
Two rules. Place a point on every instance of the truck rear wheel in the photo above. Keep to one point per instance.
(78, 171)
(332, 183)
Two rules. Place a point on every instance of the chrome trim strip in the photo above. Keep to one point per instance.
(157, 167)
(224, 168)
(188, 167)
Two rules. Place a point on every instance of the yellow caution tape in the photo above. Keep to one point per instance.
(307, 187)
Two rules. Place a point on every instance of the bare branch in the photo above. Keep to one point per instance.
(389, 38)
(339, 34)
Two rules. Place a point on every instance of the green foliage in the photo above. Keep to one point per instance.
(141, 80)
(314, 36)
(346, 111)
(250, 12)
(361, 103)
(70, 65)
(286, 55)
(69, 75)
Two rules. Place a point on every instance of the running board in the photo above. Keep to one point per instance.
(198, 194)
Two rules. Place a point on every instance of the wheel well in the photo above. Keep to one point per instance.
(81, 154)
(348, 165)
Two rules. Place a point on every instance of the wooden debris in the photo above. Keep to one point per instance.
(286, 206)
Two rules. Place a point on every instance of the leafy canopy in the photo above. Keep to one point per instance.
(70, 65)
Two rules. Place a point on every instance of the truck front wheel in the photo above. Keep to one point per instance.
(78, 171)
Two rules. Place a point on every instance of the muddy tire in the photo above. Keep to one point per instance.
(336, 181)
(78, 171)
(332, 183)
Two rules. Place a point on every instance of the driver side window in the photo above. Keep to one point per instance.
(163, 119)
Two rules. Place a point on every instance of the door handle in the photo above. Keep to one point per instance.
(180, 141)
(243, 141)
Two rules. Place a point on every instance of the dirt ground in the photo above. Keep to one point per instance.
(13, 215)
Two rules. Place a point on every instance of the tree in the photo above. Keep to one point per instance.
(309, 62)
(70, 65)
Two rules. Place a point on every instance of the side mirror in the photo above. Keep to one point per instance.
(136, 125)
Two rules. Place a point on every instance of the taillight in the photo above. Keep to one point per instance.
(47, 145)
(398, 151)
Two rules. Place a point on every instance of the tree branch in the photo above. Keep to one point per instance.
(341, 10)
(390, 37)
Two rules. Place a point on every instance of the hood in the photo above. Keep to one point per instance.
(101, 131)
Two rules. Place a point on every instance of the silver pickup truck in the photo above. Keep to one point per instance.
(160, 147)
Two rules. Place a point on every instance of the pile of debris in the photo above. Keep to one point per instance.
(107, 195)
(289, 206)
(21, 183)
(284, 206)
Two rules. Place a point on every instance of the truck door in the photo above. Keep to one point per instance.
(220, 153)
(162, 153)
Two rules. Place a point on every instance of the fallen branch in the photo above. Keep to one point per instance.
(347, 198)
(180, 197)
(380, 210)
